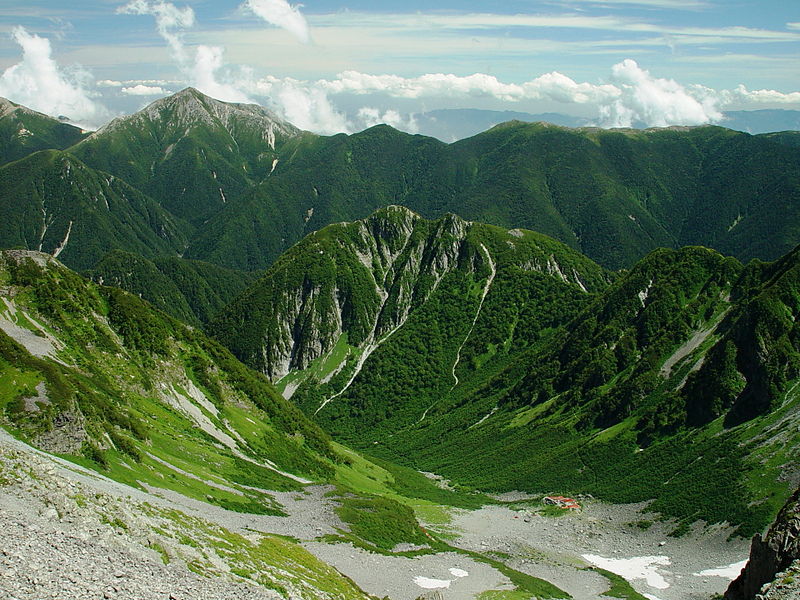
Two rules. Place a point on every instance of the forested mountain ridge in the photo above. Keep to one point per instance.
(189, 290)
(24, 131)
(52, 202)
(250, 185)
(612, 194)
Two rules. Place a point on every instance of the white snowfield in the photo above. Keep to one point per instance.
(638, 567)
(729, 572)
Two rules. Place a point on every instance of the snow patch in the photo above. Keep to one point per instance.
(638, 567)
(729, 572)
(432, 584)
(458, 572)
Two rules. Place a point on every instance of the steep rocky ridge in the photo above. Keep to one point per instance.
(774, 565)
(353, 286)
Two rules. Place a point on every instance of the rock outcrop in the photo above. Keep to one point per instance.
(773, 570)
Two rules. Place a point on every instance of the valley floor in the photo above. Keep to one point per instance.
(559, 549)
(68, 533)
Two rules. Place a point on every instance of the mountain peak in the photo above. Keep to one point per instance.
(191, 107)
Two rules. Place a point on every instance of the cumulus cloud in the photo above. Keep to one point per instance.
(550, 86)
(170, 21)
(206, 71)
(630, 97)
(741, 93)
(369, 117)
(39, 83)
(655, 102)
(206, 76)
(281, 14)
(145, 90)
(302, 103)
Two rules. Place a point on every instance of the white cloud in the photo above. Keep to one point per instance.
(281, 14)
(205, 75)
(632, 96)
(550, 86)
(39, 83)
(135, 82)
(369, 117)
(302, 103)
(741, 93)
(170, 20)
(416, 24)
(145, 90)
(206, 72)
(656, 102)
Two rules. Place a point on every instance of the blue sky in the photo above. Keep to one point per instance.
(661, 61)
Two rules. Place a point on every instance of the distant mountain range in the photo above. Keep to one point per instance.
(453, 124)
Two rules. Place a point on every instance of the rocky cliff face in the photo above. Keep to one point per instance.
(773, 571)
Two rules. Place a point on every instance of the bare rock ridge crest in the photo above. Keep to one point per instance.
(773, 571)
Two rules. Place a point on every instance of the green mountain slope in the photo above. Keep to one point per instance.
(191, 291)
(675, 384)
(319, 181)
(252, 185)
(52, 202)
(24, 131)
(613, 195)
(505, 360)
(192, 153)
(111, 367)
(96, 375)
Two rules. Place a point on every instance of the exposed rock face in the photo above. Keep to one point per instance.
(773, 559)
